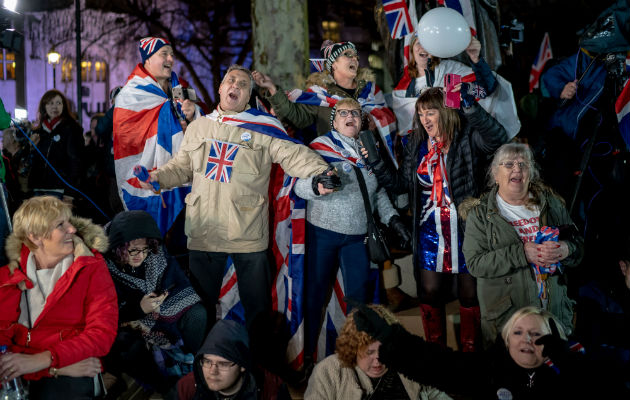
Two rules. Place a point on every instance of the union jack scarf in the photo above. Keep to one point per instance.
(333, 149)
(254, 120)
(372, 102)
(434, 165)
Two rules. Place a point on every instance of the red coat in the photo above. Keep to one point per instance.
(79, 319)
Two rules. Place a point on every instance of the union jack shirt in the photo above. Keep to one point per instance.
(221, 160)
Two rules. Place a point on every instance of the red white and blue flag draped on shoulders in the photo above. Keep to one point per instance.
(147, 132)
(372, 102)
(544, 55)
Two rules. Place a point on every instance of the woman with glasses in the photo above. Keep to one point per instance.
(337, 223)
(519, 240)
(444, 163)
(158, 307)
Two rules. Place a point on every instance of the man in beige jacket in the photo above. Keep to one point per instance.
(227, 156)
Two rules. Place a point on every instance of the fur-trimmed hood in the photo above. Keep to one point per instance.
(326, 80)
(467, 205)
(89, 237)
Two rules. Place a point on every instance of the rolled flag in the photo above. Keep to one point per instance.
(546, 234)
(142, 174)
(318, 64)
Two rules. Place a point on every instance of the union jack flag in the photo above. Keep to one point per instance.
(464, 8)
(317, 64)
(221, 160)
(148, 43)
(398, 19)
(544, 55)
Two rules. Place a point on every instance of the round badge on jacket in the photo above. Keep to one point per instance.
(347, 167)
(246, 136)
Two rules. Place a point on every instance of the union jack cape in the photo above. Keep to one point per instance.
(372, 102)
(146, 132)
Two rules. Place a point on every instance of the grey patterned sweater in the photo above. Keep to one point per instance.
(343, 211)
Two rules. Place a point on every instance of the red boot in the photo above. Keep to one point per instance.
(470, 328)
(434, 323)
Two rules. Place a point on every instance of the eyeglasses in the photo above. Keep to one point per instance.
(345, 113)
(350, 54)
(221, 365)
(135, 252)
(512, 164)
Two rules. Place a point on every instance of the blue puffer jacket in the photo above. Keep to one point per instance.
(590, 87)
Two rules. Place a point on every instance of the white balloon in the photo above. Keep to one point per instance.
(443, 32)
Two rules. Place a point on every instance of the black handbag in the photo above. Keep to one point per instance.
(377, 248)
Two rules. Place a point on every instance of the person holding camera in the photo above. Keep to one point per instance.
(227, 156)
(443, 164)
(337, 223)
(149, 124)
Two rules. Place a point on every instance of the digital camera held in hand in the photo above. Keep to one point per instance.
(184, 93)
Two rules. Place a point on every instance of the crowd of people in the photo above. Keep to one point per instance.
(188, 188)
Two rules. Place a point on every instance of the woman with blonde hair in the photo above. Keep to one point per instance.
(59, 310)
(519, 241)
(530, 360)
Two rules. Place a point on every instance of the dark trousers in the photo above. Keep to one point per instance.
(327, 252)
(253, 274)
(61, 388)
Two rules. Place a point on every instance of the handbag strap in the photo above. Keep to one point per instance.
(366, 198)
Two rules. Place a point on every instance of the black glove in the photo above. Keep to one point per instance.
(555, 348)
(398, 226)
(368, 321)
(467, 98)
(368, 142)
(329, 182)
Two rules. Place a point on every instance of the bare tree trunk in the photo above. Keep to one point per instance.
(280, 40)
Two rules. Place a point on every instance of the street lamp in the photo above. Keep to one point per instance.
(53, 59)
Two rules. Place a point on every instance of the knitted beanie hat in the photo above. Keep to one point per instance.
(330, 51)
(150, 45)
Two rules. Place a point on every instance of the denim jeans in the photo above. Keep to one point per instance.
(326, 252)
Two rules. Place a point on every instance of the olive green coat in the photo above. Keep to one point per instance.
(495, 255)
(303, 115)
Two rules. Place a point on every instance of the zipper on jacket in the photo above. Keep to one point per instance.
(28, 337)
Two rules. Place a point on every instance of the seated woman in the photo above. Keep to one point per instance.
(500, 246)
(337, 223)
(158, 306)
(531, 360)
(58, 301)
(355, 371)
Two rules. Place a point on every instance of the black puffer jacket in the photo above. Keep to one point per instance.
(466, 164)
